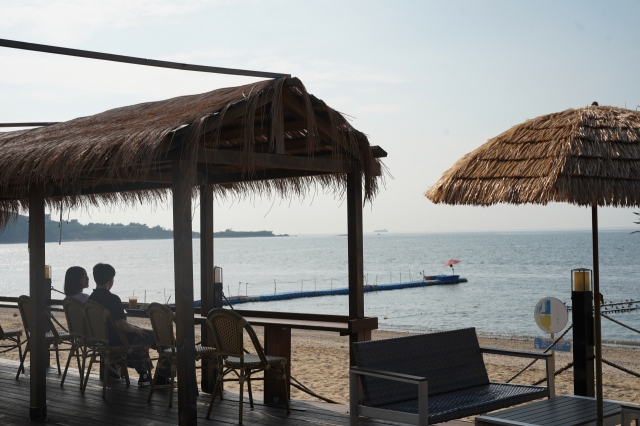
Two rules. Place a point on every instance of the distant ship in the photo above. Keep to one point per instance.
(381, 230)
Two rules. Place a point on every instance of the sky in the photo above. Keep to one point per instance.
(427, 81)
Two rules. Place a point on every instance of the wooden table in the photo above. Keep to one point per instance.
(565, 410)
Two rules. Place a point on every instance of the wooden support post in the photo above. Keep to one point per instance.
(183, 267)
(207, 301)
(277, 342)
(356, 263)
(39, 349)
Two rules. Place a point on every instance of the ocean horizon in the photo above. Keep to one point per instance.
(507, 272)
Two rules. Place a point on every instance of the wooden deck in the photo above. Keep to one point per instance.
(129, 407)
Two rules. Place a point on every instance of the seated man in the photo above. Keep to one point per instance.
(103, 275)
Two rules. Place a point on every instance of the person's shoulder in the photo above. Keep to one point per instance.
(83, 297)
(115, 297)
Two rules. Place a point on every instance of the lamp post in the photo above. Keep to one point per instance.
(583, 332)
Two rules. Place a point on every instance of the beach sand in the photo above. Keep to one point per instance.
(320, 360)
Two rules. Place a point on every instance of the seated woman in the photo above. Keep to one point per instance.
(75, 280)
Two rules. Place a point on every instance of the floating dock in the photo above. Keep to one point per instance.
(235, 300)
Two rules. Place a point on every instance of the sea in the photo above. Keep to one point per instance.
(507, 273)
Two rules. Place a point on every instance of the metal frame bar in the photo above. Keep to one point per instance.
(13, 44)
(548, 357)
(355, 409)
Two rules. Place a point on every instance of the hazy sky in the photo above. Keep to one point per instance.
(427, 81)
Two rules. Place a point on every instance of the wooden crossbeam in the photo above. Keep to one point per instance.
(274, 161)
(134, 60)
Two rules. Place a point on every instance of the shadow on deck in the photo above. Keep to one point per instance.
(128, 406)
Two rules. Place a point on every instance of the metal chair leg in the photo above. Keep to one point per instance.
(173, 375)
(248, 373)
(24, 356)
(55, 345)
(153, 384)
(66, 367)
(105, 376)
(213, 394)
(240, 396)
(19, 351)
(286, 393)
(86, 378)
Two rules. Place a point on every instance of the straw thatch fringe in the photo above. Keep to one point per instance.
(588, 156)
(129, 143)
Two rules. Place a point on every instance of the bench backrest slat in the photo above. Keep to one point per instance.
(450, 360)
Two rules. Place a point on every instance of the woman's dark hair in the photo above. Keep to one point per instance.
(72, 278)
(102, 273)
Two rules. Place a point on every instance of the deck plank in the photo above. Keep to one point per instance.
(68, 407)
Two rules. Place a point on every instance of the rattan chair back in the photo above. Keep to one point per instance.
(227, 328)
(76, 322)
(162, 323)
(24, 306)
(98, 320)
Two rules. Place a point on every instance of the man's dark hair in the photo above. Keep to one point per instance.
(102, 273)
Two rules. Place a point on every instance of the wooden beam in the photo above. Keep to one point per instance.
(133, 60)
(207, 295)
(378, 152)
(355, 254)
(39, 349)
(29, 124)
(183, 269)
(220, 179)
(219, 156)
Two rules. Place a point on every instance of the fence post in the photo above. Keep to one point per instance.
(583, 343)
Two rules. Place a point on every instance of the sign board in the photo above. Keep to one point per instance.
(542, 344)
(551, 315)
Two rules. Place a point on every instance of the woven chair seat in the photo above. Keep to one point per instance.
(123, 349)
(12, 333)
(200, 350)
(252, 361)
(476, 400)
(63, 336)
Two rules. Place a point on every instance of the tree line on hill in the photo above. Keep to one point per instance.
(72, 230)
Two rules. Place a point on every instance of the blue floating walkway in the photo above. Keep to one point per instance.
(435, 280)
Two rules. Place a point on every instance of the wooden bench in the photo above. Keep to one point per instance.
(433, 378)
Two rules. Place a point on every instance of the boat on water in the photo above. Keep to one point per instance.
(445, 279)
(380, 230)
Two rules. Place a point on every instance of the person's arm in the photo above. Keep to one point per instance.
(120, 318)
(125, 327)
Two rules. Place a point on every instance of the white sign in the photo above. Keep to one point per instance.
(551, 315)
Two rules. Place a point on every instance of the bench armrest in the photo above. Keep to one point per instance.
(548, 357)
(521, 354)
(390, 375)
(355, 409)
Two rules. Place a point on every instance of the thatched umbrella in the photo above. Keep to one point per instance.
(588, 157)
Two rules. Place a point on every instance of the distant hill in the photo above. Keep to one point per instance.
(229, 233)
(75, 231)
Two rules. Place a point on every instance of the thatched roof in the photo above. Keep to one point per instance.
(587, 156)
(125, 154)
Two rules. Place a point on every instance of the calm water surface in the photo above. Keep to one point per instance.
(507, 272)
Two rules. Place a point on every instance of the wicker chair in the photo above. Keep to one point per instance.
(13, 338)
(162, 319)
(74, 312)
(227, 328)
(53, 337)
(98, 320)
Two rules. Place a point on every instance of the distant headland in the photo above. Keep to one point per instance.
(75, 231)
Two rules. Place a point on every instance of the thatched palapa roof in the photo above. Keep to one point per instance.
(587, 156)
(266, 137)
